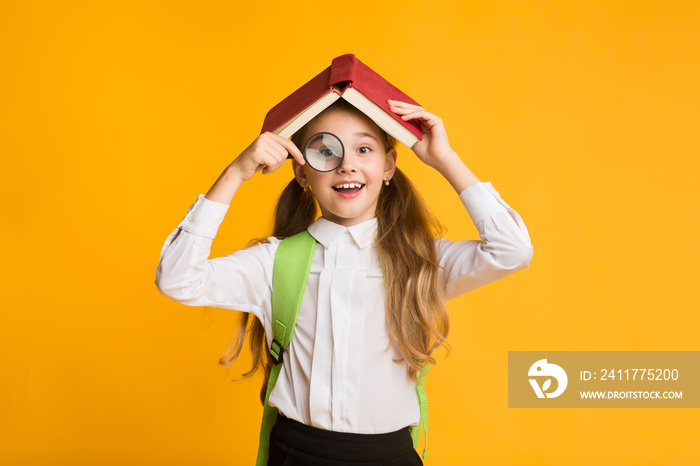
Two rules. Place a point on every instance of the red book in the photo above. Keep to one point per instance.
(349, 78)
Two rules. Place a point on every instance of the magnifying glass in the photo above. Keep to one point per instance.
(323, 152)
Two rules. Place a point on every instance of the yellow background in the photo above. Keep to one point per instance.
(116, 115)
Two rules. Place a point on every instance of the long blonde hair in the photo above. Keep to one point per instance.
(417, 318)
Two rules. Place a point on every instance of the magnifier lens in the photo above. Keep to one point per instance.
(324, 152)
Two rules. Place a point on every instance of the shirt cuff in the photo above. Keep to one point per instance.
(204, 217)
(482, 200)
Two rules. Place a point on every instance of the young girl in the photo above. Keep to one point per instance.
(346, 392)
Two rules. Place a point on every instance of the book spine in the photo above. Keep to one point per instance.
(349, 68)
(342, 69)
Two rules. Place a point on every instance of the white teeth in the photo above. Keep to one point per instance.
(349, 185)
(346, 186)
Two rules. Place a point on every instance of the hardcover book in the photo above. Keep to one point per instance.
(350, 79)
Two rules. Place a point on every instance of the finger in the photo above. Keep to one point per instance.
(267, 170)
(270, 144)
(271, 163)
(273, 143)
(422, 115)
(264, 164)
(276, 150)
(399, 103)
(405, 110)
(290, 147)
(401, 109)
(402, 105)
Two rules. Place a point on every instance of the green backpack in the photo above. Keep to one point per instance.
(290, 274)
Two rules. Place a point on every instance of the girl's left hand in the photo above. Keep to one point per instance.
(434, 148)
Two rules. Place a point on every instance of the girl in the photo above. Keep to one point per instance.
(346, 392)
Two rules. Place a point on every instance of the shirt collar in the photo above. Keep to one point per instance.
(327, 232)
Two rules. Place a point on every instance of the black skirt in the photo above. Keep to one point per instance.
(293, 443)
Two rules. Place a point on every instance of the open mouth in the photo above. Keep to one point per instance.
(348, 188)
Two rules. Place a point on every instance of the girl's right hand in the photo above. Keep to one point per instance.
(267, 152)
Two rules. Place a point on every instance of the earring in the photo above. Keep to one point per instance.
(304, 188)
(386, 182)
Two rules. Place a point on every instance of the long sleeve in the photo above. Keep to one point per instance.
(340, 372)
(239, 281)
(505, 245)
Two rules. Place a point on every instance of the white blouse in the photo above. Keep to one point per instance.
(338, 372)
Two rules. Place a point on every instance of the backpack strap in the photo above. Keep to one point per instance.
(423, 423)
(289, 276)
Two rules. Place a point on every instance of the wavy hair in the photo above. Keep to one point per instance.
(416, 314)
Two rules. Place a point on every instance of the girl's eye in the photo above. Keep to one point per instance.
(364, 150)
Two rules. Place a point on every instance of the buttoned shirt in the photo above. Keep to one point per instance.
(339, 372)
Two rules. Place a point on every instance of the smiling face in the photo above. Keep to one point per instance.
(348, 195)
